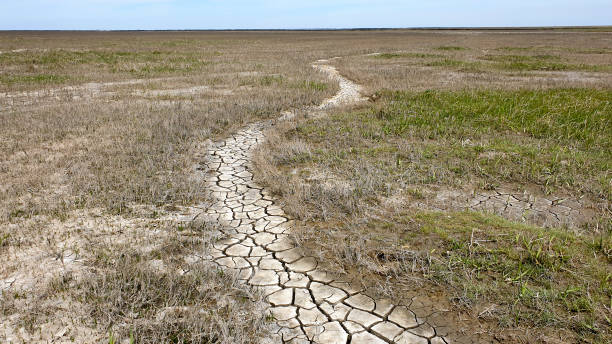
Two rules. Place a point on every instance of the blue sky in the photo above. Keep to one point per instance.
(288, 14)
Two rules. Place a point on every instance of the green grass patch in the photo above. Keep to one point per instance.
(579, 116)
(554, 138)
(270, 80)
(521, 58)
(451, 48)
(544, 62)
(65, 57)
(41, 79)
(137, 63)
(557, 139)
(406, 55)
(531, 270)
(550, 66)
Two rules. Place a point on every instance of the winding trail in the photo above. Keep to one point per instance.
(309, 305)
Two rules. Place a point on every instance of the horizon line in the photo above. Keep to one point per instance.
(450, 28)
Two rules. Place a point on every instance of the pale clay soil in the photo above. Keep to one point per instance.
(32, 266)
(545, 211)
(13, 100)
(308, 304)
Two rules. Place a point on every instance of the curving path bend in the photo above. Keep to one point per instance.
(309, 305)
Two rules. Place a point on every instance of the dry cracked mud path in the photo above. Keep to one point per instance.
(308, 305)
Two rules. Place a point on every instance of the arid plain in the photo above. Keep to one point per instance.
(380, 186)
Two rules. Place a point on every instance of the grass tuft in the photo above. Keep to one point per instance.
(406, 55)
(450, 48)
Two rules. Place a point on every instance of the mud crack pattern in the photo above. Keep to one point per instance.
(308, 305)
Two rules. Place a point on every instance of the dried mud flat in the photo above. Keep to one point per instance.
(309, 305)
(527, 207)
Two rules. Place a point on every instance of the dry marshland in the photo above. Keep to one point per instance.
(101, 134)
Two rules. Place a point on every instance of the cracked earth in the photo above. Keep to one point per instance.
(308, 304)
(526, 207)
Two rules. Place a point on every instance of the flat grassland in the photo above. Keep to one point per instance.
(479, 175)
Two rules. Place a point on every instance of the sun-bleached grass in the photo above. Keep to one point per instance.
(143, 279)
(122, 132)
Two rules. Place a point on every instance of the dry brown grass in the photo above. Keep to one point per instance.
(477, 60)
(144, 278)
(125, 147)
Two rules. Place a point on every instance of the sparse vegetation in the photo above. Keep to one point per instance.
(406, 55)
(113, 148)
(539, 62)
(147, 295)
(451, 48)
(34, 79)
(152, 304)
(522, 276)
(102, 133)
(363, 182)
